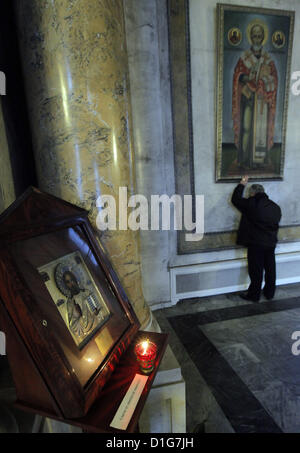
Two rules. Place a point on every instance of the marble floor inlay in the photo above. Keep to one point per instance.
(237, 361)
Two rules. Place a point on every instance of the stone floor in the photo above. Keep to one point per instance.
(237, 361)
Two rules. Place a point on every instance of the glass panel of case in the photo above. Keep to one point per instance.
(74, 295)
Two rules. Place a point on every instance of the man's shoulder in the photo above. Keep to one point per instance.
(273, 202)
(268, 200)
(275, 205)
(274, 208)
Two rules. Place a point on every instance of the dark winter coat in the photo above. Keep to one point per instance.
(260, 218)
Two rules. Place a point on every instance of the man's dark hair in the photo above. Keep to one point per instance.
(256, 188)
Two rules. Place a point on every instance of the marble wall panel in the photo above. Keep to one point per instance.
(195, 166)
(7, 189)
(147, 43)
(203, 60)
(75, 65)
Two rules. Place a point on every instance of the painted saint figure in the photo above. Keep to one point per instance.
(255, 85)
(80, 318)
(278, 39)
(234, 36)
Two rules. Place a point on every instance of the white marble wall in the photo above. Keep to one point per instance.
(147, 41)
(203, 67)
(147, 45)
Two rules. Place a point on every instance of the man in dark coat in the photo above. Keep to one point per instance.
(258, 232)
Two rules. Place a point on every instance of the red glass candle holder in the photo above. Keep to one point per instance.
(146, 353)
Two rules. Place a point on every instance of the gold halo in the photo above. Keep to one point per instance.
(263, 25)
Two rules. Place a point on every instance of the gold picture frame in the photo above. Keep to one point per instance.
(253, 74)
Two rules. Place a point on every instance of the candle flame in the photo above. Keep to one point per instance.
(145, 345)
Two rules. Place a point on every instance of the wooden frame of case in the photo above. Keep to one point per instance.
(45, 380)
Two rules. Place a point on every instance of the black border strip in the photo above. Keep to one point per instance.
(241, 311)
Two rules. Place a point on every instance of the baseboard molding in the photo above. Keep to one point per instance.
(208, 279)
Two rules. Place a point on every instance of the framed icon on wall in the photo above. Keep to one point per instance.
(253, 72)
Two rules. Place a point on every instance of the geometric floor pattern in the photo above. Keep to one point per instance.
(236, 358)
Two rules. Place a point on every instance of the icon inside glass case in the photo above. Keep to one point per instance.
(76, 296)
